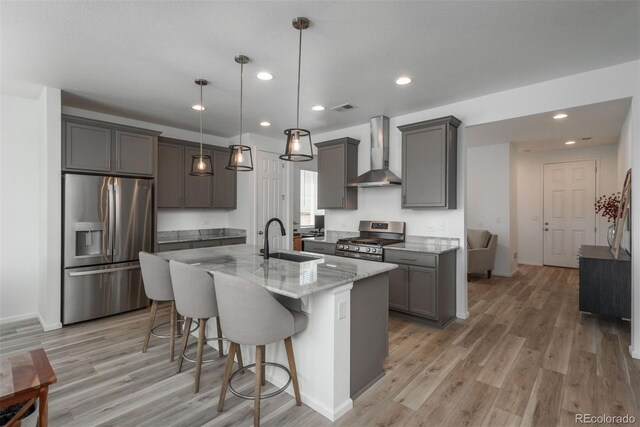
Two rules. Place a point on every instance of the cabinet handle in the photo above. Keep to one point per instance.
(404, 198)
(109, 163)
(342, 203)
(408, 259)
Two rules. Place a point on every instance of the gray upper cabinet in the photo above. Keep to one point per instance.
(337, 165)
(429, 163)
(94, 146)
(178, 189)
(134, 153)
(198, 190)
(87, 147)
(224, 181)
(170, 175)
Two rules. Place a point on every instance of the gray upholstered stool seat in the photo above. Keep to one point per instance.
(157, 285)
(250, 315)
(195, 298)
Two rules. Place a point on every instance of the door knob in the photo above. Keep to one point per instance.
(546, 229)
(546, 223)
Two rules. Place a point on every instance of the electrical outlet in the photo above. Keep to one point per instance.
(342, 310)
(430, 227)
(441, 225)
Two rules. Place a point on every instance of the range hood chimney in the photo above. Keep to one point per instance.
(379, 175)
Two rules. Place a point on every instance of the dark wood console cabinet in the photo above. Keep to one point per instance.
(605, 282)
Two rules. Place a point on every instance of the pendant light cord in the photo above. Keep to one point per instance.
(201, 109)
(299, 65)
(241, 80)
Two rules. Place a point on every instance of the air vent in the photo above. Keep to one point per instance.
(344, 107)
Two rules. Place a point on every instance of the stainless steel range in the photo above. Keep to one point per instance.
(374, 235)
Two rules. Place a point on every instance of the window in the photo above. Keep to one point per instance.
(309, 198)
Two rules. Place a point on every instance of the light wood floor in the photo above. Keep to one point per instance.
(524, 357)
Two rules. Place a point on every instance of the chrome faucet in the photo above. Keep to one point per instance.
(265, 251)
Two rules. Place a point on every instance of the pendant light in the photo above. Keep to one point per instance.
(201, 163)
(295, 150)
(240, 158)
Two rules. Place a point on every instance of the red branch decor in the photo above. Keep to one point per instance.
(607, 206)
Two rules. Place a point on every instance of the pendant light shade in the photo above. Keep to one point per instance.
(298, 146)
(240, 158)
(201, 164)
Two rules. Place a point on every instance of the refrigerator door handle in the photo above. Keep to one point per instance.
(112, 219)
(103, 271)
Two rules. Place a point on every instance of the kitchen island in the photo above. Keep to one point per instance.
(341, 352)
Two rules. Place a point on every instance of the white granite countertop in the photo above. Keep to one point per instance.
(288, 278)
(428, 248)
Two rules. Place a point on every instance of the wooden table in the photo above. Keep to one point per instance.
(26, 377)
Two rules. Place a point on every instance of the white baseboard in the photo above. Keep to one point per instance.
(464, 315)
(18, 318)
(530, 263)
(48, 326)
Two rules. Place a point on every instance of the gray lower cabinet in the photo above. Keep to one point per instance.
(319, 247)
(399, 288)
(423, 285)
(94, 146)
(176, 246)
(337, 165)
(178, 189)
(605, 282)
(429, 163)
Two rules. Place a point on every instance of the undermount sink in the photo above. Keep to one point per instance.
(293, 257)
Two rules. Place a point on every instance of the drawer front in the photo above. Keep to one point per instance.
(411, 258)
(320, 248)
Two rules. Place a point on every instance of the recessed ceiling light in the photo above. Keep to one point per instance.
(560, 116)
(263, 75)
(198, 107)
(318, 108)
(403, 80)
(265, 124)
(569, 143)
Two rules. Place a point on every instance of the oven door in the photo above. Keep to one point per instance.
(368, 257)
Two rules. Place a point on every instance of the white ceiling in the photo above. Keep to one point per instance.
(139, 59)
(600, 122)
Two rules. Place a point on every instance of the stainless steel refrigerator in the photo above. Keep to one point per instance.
(107, 222)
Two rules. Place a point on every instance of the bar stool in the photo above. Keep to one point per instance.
(250, 315)
(196, 299)
(157, 285)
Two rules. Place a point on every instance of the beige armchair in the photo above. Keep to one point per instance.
(481, 253)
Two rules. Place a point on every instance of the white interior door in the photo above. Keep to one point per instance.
(569, 216)
(271, 198)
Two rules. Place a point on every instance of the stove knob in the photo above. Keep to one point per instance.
(368, 249)
(356, 248)
(339, 246)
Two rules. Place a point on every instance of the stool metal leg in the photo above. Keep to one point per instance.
(292, 367)
(220, 349)
(152, 318)
(185, 339)
(227, 373)
(172, 332)
(256, 401)
(201, 337)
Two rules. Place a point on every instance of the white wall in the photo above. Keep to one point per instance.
(19, 204)
(624, 148)
(530, 193)
(171, 219)
(489, 198)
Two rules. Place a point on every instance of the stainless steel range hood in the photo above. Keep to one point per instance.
(379, 175)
